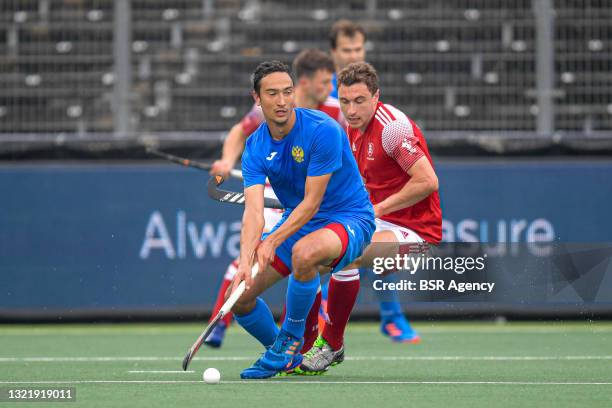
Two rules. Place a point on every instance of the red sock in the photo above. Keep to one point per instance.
(227, 280)
(312, 324)
(341, 298)
(322, 315)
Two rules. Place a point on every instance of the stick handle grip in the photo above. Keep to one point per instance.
(236, 173)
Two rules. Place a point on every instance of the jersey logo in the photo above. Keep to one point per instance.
(350, 230)
(370, 151)
(354, 147)
(271, 156)
(298, 154)
(407, 144)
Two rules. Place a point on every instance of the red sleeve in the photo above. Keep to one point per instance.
(251, 121)
(332, 107)
(401, 144)
(340, 119)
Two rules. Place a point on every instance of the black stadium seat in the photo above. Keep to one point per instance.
(481, 51)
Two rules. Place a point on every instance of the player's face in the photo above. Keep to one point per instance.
(319, 86)
(276, 97)
(348, 50)
(357, 104)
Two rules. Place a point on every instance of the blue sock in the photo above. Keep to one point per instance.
(387, 299)
(388, 310)
(324, 290)
(300, 298)
(260, 323)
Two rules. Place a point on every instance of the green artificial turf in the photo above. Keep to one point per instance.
(456, 365)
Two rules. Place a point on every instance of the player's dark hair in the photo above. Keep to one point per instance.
(309, 61)
(346, 28)
(359, 73)
(266, 68)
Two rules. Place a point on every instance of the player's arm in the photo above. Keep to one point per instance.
(402, 146)
(236, 138)
(232, 149)
(252, 220)
(423, 181)
(252, 227)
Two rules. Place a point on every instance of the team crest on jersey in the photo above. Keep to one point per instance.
(298, 154)
(407, 144)
(370, 151)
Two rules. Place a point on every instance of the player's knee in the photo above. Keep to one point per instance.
(303, 255)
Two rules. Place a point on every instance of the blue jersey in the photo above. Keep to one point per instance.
(315, 146)
(334, 91)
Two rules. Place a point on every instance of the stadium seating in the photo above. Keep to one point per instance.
(462, 65)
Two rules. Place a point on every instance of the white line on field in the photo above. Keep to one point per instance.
(307, 382)
(160, 372)
(349, 358)
(423, 330)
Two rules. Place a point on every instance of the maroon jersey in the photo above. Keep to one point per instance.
(254, 118)
(390, 145)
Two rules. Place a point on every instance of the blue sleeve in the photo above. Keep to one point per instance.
(326, 150)
(252, 168)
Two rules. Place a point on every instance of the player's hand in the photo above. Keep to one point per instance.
(222, 167)
(265, 253)
(377, 211)
(244, 274)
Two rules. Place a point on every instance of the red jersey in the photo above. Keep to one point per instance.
(254, 118)
(390, 145)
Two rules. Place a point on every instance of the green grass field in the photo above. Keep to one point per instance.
(456, 365)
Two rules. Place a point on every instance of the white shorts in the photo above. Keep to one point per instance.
(271, 215)
(404, 235)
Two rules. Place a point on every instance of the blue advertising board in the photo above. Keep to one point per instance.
(86, 238)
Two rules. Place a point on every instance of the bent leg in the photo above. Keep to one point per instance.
(253, 314)
(320, 247)
(344, 288)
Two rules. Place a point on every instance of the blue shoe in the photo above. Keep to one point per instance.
(215, 339)
(399, 330)
(282, 356)
(258, 372)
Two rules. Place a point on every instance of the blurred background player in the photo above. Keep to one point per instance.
(347, 45)
(397, 169)
(347, 42)
(313, 70)
(307, 159)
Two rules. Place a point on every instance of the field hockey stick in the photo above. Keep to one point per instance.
(234, 197)
(188, 162)
(225, 309)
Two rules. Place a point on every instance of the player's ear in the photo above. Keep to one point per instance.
(256, 98)
(302, 81)
(376, 95)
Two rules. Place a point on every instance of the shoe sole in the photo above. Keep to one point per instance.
(414, 340)
(299, 371)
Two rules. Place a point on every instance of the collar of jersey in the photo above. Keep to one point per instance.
(288, 136)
